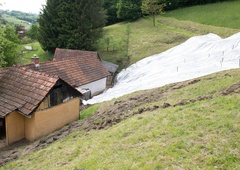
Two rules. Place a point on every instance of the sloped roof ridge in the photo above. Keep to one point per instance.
(75, 50)
(71, 58)
(42, 73)
(27, 67)
(17, 80)
(65, 53)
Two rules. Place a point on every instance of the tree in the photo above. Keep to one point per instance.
(129, 9)
(111, 8)
(8, 47)
(128, 31)
(33, 32)
(10, 34)
(75, 24)
(106, 40)
(152, 7)
(2, 58)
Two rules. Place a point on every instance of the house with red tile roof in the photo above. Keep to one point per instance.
(34, 104)
(81, 69)
(67, 53)
(38, 98)
(61, 53)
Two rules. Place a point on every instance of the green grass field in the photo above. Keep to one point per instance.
(36, 49)
(203, 134)
(224, 14)
(172, 28)
(16, 21)
(198, 135)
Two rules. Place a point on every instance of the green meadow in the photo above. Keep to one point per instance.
(200, 128)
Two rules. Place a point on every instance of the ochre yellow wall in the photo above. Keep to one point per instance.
(14, 127)
(30, 127)
(49, 120)
(42, 122)
(44, 104)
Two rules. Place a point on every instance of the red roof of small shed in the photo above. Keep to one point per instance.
(23, 90)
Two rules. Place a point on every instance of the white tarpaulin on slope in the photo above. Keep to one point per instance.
(198, 56)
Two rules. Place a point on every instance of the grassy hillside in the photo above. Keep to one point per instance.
(225, 14)
(36, 49)
(146, 40)
(172, 28)
(189, 125)
(15, 21)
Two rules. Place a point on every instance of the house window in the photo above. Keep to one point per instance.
(56, 96)
(60, 93)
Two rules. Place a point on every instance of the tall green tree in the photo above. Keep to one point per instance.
(75, 24)
(111, 8)
(153, 7)
(33, 32)
(129, 9)
(9, 43)
(10, 34)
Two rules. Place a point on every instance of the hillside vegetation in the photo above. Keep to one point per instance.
(223, 14)
(172, 28)
(14, 20)
(36, 49)
(188, 125)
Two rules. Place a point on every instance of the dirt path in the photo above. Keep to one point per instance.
(102, 119)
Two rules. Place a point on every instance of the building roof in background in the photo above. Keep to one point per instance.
(110, 66)
(74, 71)
(66, 53)
(23, 90)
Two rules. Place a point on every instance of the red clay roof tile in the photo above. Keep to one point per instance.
(22, 89)
(66, 53)
(74, 66)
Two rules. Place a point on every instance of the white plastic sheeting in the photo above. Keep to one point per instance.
(198, 56)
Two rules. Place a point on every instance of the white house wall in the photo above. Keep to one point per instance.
(96, 86)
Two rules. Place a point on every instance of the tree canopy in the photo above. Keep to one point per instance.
(9, 43)
(152, 7)
(33, 32)
(111, 8)
(129, 9)
(75, 24)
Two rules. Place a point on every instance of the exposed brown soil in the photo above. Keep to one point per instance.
(108, 114)
(2, 143)
(232, 89)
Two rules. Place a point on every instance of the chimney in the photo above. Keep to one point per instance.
(35, 60)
